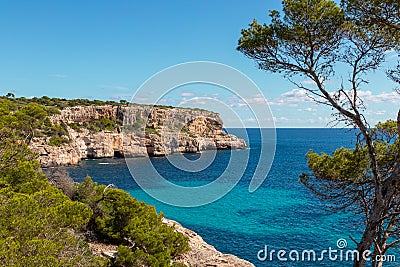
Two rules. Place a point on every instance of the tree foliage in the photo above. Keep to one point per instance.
(306, 38)
(383, 17)
(37, 220)
(37, 229)
(60, 103)
(124, 220)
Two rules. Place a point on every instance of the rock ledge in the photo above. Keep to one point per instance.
(203, 254)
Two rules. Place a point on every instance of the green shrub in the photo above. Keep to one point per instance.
(56, 132)
(152, 130)
(37, 229)
(120, 218)
(60, 103)
(58, 141)
(103, 124)
(127, 257)
(75, 126)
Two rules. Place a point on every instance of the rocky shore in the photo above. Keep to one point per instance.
(203, 254)
(200, 255)
(142, 131)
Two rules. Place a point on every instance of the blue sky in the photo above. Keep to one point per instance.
(107, 49)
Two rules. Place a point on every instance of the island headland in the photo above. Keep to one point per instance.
(106, 131)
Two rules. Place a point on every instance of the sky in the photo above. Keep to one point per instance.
(107, 49)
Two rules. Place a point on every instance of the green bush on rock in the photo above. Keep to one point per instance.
(124, 220)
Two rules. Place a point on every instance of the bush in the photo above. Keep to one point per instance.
(58, 141)
(41, 226)
(151, 130)
(103, 124)
(127, 257)
(75, 126)
(121, 219)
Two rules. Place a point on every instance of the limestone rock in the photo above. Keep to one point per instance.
(146, 131)
(53, 156)
(203, 254)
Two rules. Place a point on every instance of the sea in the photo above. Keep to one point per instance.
(282, 215)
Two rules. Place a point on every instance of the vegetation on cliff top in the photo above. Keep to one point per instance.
(46, 224)
(61, 103)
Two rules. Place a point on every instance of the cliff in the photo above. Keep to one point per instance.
(134, 131)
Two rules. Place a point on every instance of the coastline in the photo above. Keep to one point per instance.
(203, 254)
(95, 132)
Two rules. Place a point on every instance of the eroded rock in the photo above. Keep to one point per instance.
(146, 131)
(203, 254)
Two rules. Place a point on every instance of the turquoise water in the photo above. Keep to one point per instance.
(282, 213)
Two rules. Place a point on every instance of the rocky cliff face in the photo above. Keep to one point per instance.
(143, 131)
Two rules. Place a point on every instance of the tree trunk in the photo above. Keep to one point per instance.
(369, 234)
